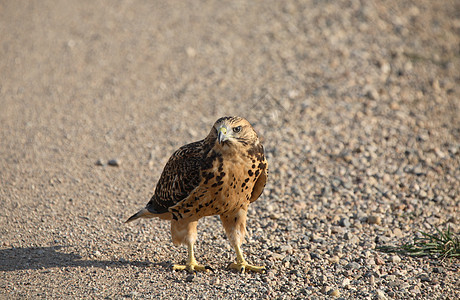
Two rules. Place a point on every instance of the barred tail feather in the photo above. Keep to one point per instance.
(143, 213)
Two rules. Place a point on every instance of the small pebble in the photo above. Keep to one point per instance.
(286, 248)
(352, 265)
(326, 289)
(424, 278)
(335, 293)
(397, 233)
(335, 259)
(379, 261)
(114, 162)
(100, 162)
(191, 52)
(374, 220)
(371, 93)
(344, 222)
(395, 259)
(372, 280)
(380, 294)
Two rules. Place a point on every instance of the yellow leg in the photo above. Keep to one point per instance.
(241, 265)
(191, 264)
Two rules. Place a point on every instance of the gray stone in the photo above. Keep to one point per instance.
(344, 222)
(352, 265)
(114, 162)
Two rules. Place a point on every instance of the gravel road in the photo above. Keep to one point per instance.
(357, 104)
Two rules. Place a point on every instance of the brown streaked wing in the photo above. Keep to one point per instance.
(259, 186)
(180, 177)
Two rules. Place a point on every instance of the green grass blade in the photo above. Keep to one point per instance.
(442, 244)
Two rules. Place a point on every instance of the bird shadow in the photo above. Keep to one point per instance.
(36, 258)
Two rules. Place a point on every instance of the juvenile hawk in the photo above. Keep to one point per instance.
(219, 175)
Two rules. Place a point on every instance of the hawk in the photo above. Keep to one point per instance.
(219, 175)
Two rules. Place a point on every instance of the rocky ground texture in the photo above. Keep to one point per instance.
(357, 103)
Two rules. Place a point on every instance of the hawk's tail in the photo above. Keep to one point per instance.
(143, 213)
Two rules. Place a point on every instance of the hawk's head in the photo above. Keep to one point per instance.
(233, 131)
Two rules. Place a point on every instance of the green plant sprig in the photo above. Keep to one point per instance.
(439, 245)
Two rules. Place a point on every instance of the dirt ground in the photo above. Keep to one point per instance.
(357, 103)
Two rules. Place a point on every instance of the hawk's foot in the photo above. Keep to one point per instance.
(244, 266)
(191, 267)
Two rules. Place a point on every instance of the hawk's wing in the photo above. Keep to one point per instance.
(180, 177)
(259, 185)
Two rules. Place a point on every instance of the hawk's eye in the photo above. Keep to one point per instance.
(237, 129)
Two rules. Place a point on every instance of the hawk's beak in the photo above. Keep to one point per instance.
(222, 134)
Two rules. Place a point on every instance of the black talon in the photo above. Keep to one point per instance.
(209, 268)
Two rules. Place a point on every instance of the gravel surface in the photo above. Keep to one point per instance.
(357, 103)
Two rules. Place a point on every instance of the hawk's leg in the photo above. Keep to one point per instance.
(235, 228)
(184, 232)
